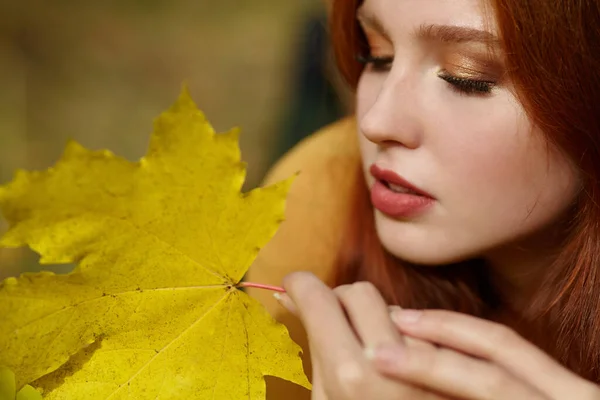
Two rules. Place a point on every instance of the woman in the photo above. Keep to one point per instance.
(477, 201)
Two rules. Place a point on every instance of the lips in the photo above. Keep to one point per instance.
(398, 188)
(395, 182)
(393, 195)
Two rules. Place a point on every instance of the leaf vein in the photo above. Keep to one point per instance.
(223, 351)
(161, 351)
(56, 312)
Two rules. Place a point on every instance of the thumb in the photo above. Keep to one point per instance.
(318, 390)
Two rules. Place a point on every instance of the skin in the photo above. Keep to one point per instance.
(499, 187)
(394, 354)
(501, 193)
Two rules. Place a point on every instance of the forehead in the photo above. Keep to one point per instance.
(402, 16)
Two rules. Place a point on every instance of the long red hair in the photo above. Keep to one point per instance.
(553, 57)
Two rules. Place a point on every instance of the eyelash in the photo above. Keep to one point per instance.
(467, 86)
(461, 85)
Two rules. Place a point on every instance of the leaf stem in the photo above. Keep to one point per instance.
(261, 286)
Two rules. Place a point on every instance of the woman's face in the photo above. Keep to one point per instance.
(435, 109)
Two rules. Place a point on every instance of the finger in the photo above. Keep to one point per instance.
(368, 314)
(490, 341)
(318, 390)
(418, 343)
(286, 302)
(411, 341)
(318, 308)
(334, 345)
(452, 374)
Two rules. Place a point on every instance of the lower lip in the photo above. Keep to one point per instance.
(398, 205)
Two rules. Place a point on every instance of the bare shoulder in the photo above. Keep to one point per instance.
(309, 237)
(335, 143)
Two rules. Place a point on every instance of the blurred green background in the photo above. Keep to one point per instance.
(100, 72)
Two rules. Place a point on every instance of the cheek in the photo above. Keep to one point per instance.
(494, 176)
(487, 139)
(505, 173)
(491, 159)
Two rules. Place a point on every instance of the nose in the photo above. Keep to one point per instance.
(393, 116)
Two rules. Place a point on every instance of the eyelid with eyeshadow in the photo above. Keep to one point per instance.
(461, 85)
(469, 66)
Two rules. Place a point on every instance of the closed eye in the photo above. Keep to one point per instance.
(461, 85)
(467, 85)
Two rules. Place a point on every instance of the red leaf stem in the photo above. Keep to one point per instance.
(261, 286)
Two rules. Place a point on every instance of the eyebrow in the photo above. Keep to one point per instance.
(434, 32)
(455, 34)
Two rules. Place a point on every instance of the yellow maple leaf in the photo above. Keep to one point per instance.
(152, 310)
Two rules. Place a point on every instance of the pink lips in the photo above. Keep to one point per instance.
(393, 203)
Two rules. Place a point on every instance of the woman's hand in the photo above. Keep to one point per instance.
(476, 359)
(340, 324)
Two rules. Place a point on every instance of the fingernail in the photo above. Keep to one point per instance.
(385, 358)
(404, 317)
(285, 301)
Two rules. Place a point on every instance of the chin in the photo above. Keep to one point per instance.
(418, 243)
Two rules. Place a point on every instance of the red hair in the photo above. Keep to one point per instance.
(553, 57)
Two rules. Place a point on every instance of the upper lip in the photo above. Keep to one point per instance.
(389, 176)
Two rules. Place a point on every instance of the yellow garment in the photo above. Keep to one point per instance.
(309, 238)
